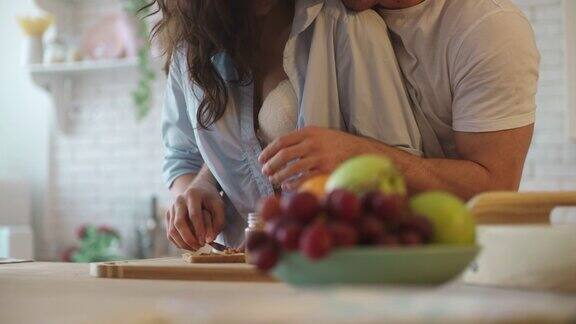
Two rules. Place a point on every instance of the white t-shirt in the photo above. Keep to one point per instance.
(472, 65)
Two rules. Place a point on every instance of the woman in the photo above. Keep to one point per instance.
(244, 72)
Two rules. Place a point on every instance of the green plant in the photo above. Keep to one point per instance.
(97, 244)
(142, 95)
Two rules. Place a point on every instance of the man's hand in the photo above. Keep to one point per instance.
(302, 154)
(197, 215)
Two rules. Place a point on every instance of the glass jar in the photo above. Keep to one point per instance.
(255, 224)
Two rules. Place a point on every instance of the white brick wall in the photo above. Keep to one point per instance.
(105, 171)
(108, 168)
(551, 163)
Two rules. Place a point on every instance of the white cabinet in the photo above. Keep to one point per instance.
(14, 203)
(16, 238)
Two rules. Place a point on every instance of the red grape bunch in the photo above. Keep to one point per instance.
(301, 222)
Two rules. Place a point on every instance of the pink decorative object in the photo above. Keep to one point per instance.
(112, 37)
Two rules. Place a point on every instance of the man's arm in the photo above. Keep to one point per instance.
(488, 161)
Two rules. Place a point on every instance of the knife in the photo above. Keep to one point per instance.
(217, 246)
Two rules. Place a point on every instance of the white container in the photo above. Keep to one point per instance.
(34, 50)
(520, 249)
(526, 256)
(56, 52)
(16, 242)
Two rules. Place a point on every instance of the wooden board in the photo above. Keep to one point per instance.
(518, 207)
(178, 269)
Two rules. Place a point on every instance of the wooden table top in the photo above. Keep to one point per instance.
(65, 293)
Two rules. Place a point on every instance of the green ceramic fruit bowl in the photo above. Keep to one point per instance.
(426, 265)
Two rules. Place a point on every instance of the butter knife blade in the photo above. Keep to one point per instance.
(217, 246)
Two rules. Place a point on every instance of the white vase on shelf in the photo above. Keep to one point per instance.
(34, 51)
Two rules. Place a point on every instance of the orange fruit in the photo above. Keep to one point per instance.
(315, 185)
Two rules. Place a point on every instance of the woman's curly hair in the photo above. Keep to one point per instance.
(204, 28)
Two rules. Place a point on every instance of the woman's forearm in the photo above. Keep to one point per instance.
(197, 215)
(183, 182)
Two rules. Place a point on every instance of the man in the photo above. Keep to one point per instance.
(471, 69)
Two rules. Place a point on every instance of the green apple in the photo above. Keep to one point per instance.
(367, 173)
(453, 222)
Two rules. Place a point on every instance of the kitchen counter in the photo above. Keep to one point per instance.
(65, 293)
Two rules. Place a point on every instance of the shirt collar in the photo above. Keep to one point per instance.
(306, 11)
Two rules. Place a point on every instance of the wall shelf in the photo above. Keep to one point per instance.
(83, 67)
(59, 78)
(72, 18)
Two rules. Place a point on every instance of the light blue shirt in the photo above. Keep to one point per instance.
(344, 72)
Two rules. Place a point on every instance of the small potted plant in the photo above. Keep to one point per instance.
(97, 244)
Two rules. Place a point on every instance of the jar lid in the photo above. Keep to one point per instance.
(254, 220)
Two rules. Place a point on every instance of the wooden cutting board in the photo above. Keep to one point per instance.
(178, 269)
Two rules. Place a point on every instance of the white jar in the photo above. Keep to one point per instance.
(55, 52)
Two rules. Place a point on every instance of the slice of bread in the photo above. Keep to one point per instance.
(214, 258)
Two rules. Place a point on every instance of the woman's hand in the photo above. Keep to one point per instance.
(197, 215)
(306, 153)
